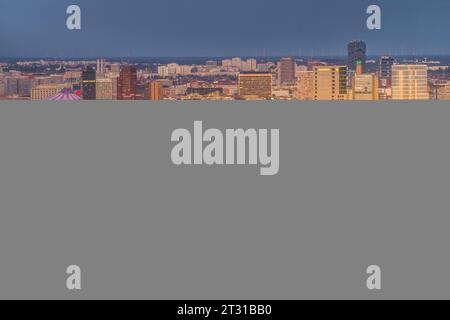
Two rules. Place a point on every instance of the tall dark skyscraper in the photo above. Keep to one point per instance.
(286, 71)
(88, 87)
(126, 84)
(386, 63)
(357, 53)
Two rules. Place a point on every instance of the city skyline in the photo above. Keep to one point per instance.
(201, 28)
(355, 78)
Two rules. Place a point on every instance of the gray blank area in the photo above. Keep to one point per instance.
(92, 184)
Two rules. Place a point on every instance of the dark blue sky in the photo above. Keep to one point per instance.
(220, 27)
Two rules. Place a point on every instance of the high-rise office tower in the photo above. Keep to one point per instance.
(88, 85)
(305, 85)
(365, 87)
(357, 52)
(155, 90)
(255, 85)
(410, 82)
(104, 88)
(286, 71)
(385, 69)
(330, 83)
(126, 84)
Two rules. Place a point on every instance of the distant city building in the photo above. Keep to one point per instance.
(249, 65)
(45, 91)
(255, 85)
(384, 93)
(365, 87)
(281, 94)
(11, 85)
(286, 71)
(357, 51)
(2, 84)
(101, 67)
(173, 69)
(88, 83)
(163, 71)
(385, 70)
(24, 86)
(72, 76)
(264, 66)
(410, 82)
(115, 68)
(314, 63)
(305, 85)
(227, 63)
(155, 90)
(53, 78)
(104, 89)
(204, 91)
(236, 63)
(126, 84)
(442, 90)
(330, 83)
(17, 85)
(211, 63)
(299, 68)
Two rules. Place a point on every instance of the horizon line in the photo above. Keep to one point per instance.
(216, 56)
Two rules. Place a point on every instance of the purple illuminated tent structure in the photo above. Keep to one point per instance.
(65, 95)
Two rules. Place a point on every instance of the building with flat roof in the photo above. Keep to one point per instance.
(305, 85)
(286, 71)
(255, 85)
(410, 82)
(330, 83)
(45, 91)
(88, 83)
(365, 87)
(155, 90)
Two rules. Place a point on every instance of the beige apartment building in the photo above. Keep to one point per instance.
(365, 87)
(45, 91)
(410, 82)
(330, 82)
